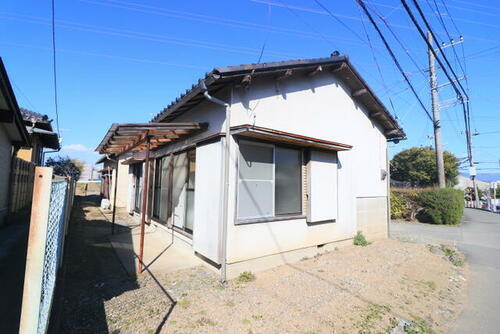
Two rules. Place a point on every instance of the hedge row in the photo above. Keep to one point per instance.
(435, 206)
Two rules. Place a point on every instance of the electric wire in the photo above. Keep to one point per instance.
(54, 60)
(440, 18)
(377, 64)
(338, 20)
(389, 49)
(267, 36)
(465, 104)
(405, 49)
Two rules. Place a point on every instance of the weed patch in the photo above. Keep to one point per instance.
(245, 277)
(184, 303)
(360, 240)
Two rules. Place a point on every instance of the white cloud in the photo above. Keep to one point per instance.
(77, 148)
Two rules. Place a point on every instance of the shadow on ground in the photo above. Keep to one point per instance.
(13, 246)
(93, 274)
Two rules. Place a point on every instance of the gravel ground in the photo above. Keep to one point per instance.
(382, 288)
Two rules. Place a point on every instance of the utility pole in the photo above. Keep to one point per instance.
(435, 115)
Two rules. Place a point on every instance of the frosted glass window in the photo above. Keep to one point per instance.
(256, 181)
(288, 181)
(256, 162)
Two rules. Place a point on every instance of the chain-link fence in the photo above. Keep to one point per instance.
(52, 202)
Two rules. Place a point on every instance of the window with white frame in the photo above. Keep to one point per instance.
(269, 181)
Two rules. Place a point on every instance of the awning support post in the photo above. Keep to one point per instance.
(145, 193)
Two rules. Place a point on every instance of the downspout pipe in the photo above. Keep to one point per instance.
(224, 220)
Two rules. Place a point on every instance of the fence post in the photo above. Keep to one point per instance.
(36, 250)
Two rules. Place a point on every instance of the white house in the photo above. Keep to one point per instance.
(270, 163)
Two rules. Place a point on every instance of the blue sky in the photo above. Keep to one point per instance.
(124, 60)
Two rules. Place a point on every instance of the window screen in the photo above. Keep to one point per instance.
(288, 187)
(256, 181)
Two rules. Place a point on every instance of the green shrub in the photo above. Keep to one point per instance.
(404, 203)
(441, 206)
(360, 240)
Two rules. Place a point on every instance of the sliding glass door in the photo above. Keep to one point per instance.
(174, 189)
(161, 184)
(190, 190)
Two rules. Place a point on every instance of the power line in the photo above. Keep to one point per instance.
(465, 104)
(338, 20)
(54, 60)
(213, 19)
(102, 55)
(376, 63)
(151, 37)
(485, 133)
(398, 65)
(305, 22)
(24, 95)
(476, 4)
(440, 18)
(422, 34)
(267, 36)
(405, 49)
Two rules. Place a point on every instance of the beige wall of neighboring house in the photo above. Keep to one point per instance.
(25, 154)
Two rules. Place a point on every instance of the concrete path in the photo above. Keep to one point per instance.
(479, 238)
(162, 252)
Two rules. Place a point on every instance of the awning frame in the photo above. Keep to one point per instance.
(273, 135)
(133, 137)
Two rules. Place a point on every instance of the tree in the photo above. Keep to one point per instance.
(64, 166)
(417, 165)
(79, 164)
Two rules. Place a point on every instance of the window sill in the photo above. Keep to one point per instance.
(268, 219)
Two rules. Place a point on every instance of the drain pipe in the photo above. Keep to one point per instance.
(223, 228)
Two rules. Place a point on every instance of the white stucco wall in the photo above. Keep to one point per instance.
(319, 107)
(5, 163)
(124, 183)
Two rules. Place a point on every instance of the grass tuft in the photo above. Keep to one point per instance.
(246, 276)
(360, 240)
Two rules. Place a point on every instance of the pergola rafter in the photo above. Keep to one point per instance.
(143, 137)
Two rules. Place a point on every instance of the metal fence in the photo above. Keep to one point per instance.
(51, 208)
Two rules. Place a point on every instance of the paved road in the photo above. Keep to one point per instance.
(479, 238)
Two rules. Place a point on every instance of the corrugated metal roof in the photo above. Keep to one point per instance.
(229, 75)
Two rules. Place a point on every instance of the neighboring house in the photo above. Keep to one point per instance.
(42, 136)
(13, 136)
(307, 163)
(106, 173)
(465, 182)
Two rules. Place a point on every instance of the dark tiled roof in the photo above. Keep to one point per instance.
(29, 115)
(230, 75)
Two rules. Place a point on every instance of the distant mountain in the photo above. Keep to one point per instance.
(486, 177)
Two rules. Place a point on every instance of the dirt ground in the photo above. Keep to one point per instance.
(386, 287)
